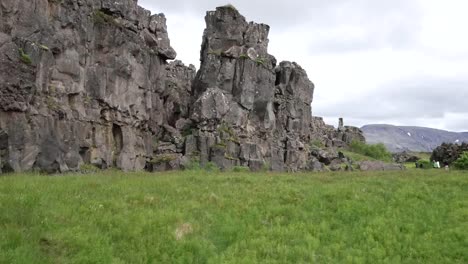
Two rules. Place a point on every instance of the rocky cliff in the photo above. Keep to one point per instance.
(89, 82)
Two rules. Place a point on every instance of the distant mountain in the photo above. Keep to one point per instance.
(418, 139)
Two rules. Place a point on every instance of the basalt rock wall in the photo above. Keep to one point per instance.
(89, 82)
(85, 82)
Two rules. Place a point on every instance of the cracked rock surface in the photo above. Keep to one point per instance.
(92, 82)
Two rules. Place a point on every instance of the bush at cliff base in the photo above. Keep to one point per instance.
(424, 164)
(462, 162)
(377, 151)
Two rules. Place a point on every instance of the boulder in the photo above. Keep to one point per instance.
(325, 156)
(404, 157)
(447, 153)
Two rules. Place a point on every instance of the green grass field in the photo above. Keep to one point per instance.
(416, 216)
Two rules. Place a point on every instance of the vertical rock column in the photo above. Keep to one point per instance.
(248, 111)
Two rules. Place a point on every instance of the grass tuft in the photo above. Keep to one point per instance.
(25, 58)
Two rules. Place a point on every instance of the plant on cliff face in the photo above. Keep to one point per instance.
(162, 159)
(230, 6)
(317, 143)
(225, 128)
(44, 47)
(462, 162)
(229, 157)
(217, 52)
(260, 61)
(101, 18)
(24, 57)
(87, 99)
(51, 103)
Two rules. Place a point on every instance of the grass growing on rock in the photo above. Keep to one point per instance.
(25, 58)
(201, 217)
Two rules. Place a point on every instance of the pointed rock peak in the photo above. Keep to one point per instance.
(229, 9)
(227, 14)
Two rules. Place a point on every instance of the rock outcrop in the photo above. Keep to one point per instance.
(332, 137)
(249, 111)
(89, 82)
(404, 157)
(447, 153)
(85, 82)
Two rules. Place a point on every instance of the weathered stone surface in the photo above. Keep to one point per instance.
(325, 156)
(89, 82)
(242, 96)
(379, 166)
(404, 157)
(86, 82)
(315, 165)
(447, 153)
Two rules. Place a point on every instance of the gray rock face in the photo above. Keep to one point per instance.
(404, 157)
(341, 137)
(448, 153)
(258, 113)
(88, 82)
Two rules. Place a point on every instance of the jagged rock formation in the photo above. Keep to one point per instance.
(335, 138)
(447, 153)
(404, 157)
(248, 110)
(88, 82)
(85, 81)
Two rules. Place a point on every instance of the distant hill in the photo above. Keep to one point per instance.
(417, 139)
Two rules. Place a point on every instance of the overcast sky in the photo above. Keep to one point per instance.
(401, 62)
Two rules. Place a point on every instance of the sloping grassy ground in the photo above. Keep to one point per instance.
(195, 217)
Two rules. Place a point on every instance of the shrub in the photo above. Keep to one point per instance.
(211, 167)
(230, 6)
(377, 151)
(424, 164)
(196, 165)
(317, 143)
(193, 164)
(462, 162)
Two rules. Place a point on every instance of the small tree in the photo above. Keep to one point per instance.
(462, 162)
